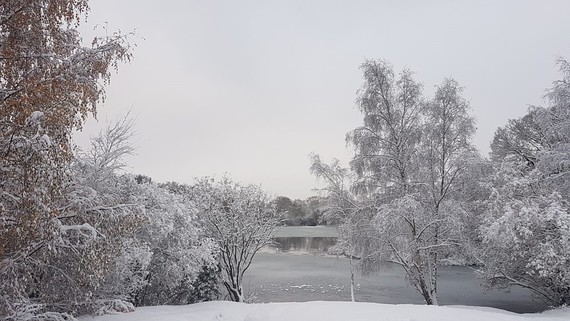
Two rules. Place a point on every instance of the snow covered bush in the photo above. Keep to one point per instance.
(526, 228)
(178, 251)
(206, 286)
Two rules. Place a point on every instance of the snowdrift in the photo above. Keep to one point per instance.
(324, 311)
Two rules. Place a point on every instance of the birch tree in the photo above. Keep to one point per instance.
(409, 157)
(384, 161)
(446, 153)
(339, 208)
(384, 146)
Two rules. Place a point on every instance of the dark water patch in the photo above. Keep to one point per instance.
(316, 245)
(306, 231)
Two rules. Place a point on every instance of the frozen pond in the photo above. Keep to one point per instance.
(300, 271)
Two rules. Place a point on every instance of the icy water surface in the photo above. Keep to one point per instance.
(300, 270)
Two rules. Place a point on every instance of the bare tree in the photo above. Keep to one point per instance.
(241, 220)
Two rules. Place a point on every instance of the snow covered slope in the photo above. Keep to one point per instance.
(324, 311)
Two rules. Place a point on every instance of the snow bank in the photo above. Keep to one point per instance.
(329, 311)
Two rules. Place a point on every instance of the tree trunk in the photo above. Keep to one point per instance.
(235, 292)
(425, 291)
(351, 279)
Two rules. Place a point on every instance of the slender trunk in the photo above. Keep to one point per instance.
(435, 258)
(434, 272)
(425, 291)
(423, 286)
(433, 290)
(351, 278)
(350, 261)
(418, 263)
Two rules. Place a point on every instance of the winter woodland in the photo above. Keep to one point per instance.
(81, 235)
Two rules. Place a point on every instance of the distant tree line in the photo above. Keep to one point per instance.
(298, 212)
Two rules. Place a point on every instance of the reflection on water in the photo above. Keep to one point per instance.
(304, 244)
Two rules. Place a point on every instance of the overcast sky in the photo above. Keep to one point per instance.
(250, 88)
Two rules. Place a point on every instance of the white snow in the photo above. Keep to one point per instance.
(36, 116)
(46, 139)
(329, 311)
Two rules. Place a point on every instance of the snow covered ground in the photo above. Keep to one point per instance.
(329, 311)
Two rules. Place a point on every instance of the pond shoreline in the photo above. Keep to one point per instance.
(300, 275)
(294, 277)
(306, 231)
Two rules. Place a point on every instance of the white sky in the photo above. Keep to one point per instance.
(250, 88)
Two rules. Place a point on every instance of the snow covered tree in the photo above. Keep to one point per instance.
(49, 84)
(385, 148)
(385, 144)
(100, 210)
(338, 200)
(123, 242)
(339, 206)
(526, 228)
(241, 220)
(526, 235)
(446, 152)
(410, 156)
